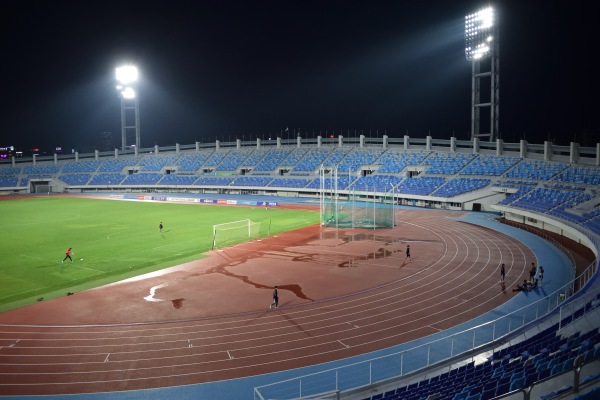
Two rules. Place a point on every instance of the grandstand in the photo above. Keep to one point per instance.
(555, 353)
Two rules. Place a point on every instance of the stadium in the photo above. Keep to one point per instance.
(298, 263)
(486, 203)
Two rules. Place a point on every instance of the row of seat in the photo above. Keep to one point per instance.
(346, 158)
(555, 202)
(512, 368)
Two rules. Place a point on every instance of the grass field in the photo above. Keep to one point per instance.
(115, 239)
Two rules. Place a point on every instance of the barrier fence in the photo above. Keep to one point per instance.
(560, 307)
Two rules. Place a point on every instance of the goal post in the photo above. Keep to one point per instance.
(230, 233)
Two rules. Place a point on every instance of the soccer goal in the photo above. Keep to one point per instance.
(235, 232)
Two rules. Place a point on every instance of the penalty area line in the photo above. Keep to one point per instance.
(36, 258)
(91, 269)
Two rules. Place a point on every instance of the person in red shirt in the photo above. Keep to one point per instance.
(68, 255)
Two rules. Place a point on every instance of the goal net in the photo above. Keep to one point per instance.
(230, 233)
(348, 208)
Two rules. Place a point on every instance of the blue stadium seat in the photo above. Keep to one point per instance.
(517, 384)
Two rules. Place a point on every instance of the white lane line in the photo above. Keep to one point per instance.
(106, 359)
(229, 354)
(345, 345)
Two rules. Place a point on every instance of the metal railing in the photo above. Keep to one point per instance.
(377, 370)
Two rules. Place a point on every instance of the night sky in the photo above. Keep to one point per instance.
(236, 69)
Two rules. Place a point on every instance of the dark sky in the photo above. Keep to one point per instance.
(246, 69)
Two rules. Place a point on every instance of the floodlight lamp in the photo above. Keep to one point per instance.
(128, 93)
(127, 74)
(479, 29)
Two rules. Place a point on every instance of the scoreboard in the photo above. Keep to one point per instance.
(7, 152)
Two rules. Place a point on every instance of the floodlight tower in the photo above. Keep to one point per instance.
(482, 49)
(127, 77)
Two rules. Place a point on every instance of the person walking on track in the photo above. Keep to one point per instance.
(275, 302)
(502, 273)
(408, 254)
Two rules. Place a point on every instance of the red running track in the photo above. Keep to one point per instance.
(342, 293)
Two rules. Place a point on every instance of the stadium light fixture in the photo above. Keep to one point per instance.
(127, 77)
(127, 74)
(128, 93)
(482, 49)
(479, 33)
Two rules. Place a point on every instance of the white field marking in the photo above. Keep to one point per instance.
(92, 269)
(345, 345)
(106, 359)
(350, 323)
(37, 258)
(434, 328)
(70, 280)
(120, 230)
(153, 290)
(26, 291)
(177, 252)
(229, 354)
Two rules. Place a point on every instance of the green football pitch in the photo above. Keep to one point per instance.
(112, 240)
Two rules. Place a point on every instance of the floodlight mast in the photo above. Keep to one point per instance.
(482, 48)
(127, 76)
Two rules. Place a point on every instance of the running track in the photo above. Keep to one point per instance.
(343, 293)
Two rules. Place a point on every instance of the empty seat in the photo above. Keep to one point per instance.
(517, 384)
(488, 394)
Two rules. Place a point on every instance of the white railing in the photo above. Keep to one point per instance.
(395, 365)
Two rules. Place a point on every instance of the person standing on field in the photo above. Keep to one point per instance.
(408, 253)
(275, 302)
(68, 255)
(502, 273)
(160, 227)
